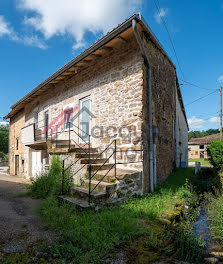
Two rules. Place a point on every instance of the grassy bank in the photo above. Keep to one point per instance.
(88, 235)
(215, 211)
(202, 161)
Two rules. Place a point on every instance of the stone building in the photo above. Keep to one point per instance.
(197, 147)
(181, 133)
(97, 111)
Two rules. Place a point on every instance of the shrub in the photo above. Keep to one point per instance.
(50, 183)
(215, 152)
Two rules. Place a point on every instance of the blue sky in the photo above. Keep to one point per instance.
(38, 37)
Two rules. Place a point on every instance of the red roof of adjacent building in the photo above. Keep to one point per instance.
(203, 140)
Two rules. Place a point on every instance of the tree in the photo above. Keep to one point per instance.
(4, 138)
(215, 152)
(197, 134)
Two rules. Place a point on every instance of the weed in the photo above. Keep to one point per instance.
(49, 183)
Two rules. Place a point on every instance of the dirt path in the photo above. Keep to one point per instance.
(19, 225)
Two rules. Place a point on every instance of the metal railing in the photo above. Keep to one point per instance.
(86, 151)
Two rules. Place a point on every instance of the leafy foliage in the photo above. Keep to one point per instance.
(197, 134)
(4, 139)
(50, 183)
(215, 152)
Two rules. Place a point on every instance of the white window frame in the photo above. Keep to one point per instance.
(71, 106)
(36, 119)
(80, 116)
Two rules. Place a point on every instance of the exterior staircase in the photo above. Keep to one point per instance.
(101, 178)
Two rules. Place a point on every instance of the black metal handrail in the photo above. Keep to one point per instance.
(82, 148)
(112, 166)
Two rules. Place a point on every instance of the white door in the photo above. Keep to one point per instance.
(84, 124)
(36, 163)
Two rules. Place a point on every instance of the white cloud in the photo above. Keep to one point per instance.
(159, 15)
(34, 41)
(4, 27)
(7, 30)
(4, 123)
(75, 17)
(214, 119)
(195, 123)
(220, 78)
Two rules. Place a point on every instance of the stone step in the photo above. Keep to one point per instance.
(65, 146)
(82, 204)
(95, 167)
(86, 156)
(60, 141)
(83, 194)
(110, 177)
(61, 150)
(86, 150)
(97, 161)
(58, 151)
(102, 186)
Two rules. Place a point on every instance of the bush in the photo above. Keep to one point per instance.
(50, 183)
(215, 152)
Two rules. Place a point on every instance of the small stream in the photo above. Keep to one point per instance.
(201, 226)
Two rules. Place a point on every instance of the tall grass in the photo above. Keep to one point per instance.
(215, 212)
(50, 183)
(86, 236)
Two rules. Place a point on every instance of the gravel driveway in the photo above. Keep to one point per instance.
(19, 225)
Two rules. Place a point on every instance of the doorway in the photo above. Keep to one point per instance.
(17, 165)
(201, 154)
(36, 163)
(84, 121)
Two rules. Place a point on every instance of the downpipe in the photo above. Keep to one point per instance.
(146, 59)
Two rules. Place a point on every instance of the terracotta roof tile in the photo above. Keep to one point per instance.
(203, 140)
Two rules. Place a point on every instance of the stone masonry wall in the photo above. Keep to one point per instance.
(16, 124)
(163, 80)
(114, 82)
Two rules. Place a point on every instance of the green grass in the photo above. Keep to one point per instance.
(202, 161)
(215, 212)
(86, 236)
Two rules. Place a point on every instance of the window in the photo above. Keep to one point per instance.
(46, 121)
(68, 117)
(36, 119)
(201, 146)
(17, 143)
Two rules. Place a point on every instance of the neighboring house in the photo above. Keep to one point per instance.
(105, 92)
(197, 147)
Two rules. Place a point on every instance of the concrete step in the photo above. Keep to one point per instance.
(97, 161)
(83, 194)
(82, 204)
(102, 186)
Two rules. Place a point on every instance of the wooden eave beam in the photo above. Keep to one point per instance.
(122, 39)
(106, 48)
